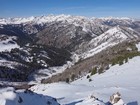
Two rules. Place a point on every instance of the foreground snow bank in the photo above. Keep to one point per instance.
(9, 96)
(124, 79)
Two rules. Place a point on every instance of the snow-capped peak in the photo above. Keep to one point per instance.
(41, 19)
(50, 18)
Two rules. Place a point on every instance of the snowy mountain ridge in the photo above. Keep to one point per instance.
(51, 18)
(110, 38)
(41, 19)
(119, 18)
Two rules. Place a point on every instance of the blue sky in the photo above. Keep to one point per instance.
(89, 8)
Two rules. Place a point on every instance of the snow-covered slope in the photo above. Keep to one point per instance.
(110, 38)
(123, 79)
(9, 96)
(48, 72)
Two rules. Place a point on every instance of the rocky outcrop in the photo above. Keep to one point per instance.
(116, 99)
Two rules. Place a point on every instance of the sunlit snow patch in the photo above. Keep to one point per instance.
(7, 43)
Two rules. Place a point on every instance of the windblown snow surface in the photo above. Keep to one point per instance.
(124, 79)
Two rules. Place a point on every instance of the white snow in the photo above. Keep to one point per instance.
(118, 18)
(120, 102)
(138, 46)
(46, 73)
(9, 96)
(50, 18)
(41, 19)
(97, 50)
(108, 39)
(5, 44)
(124, 79)
(9, 64)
